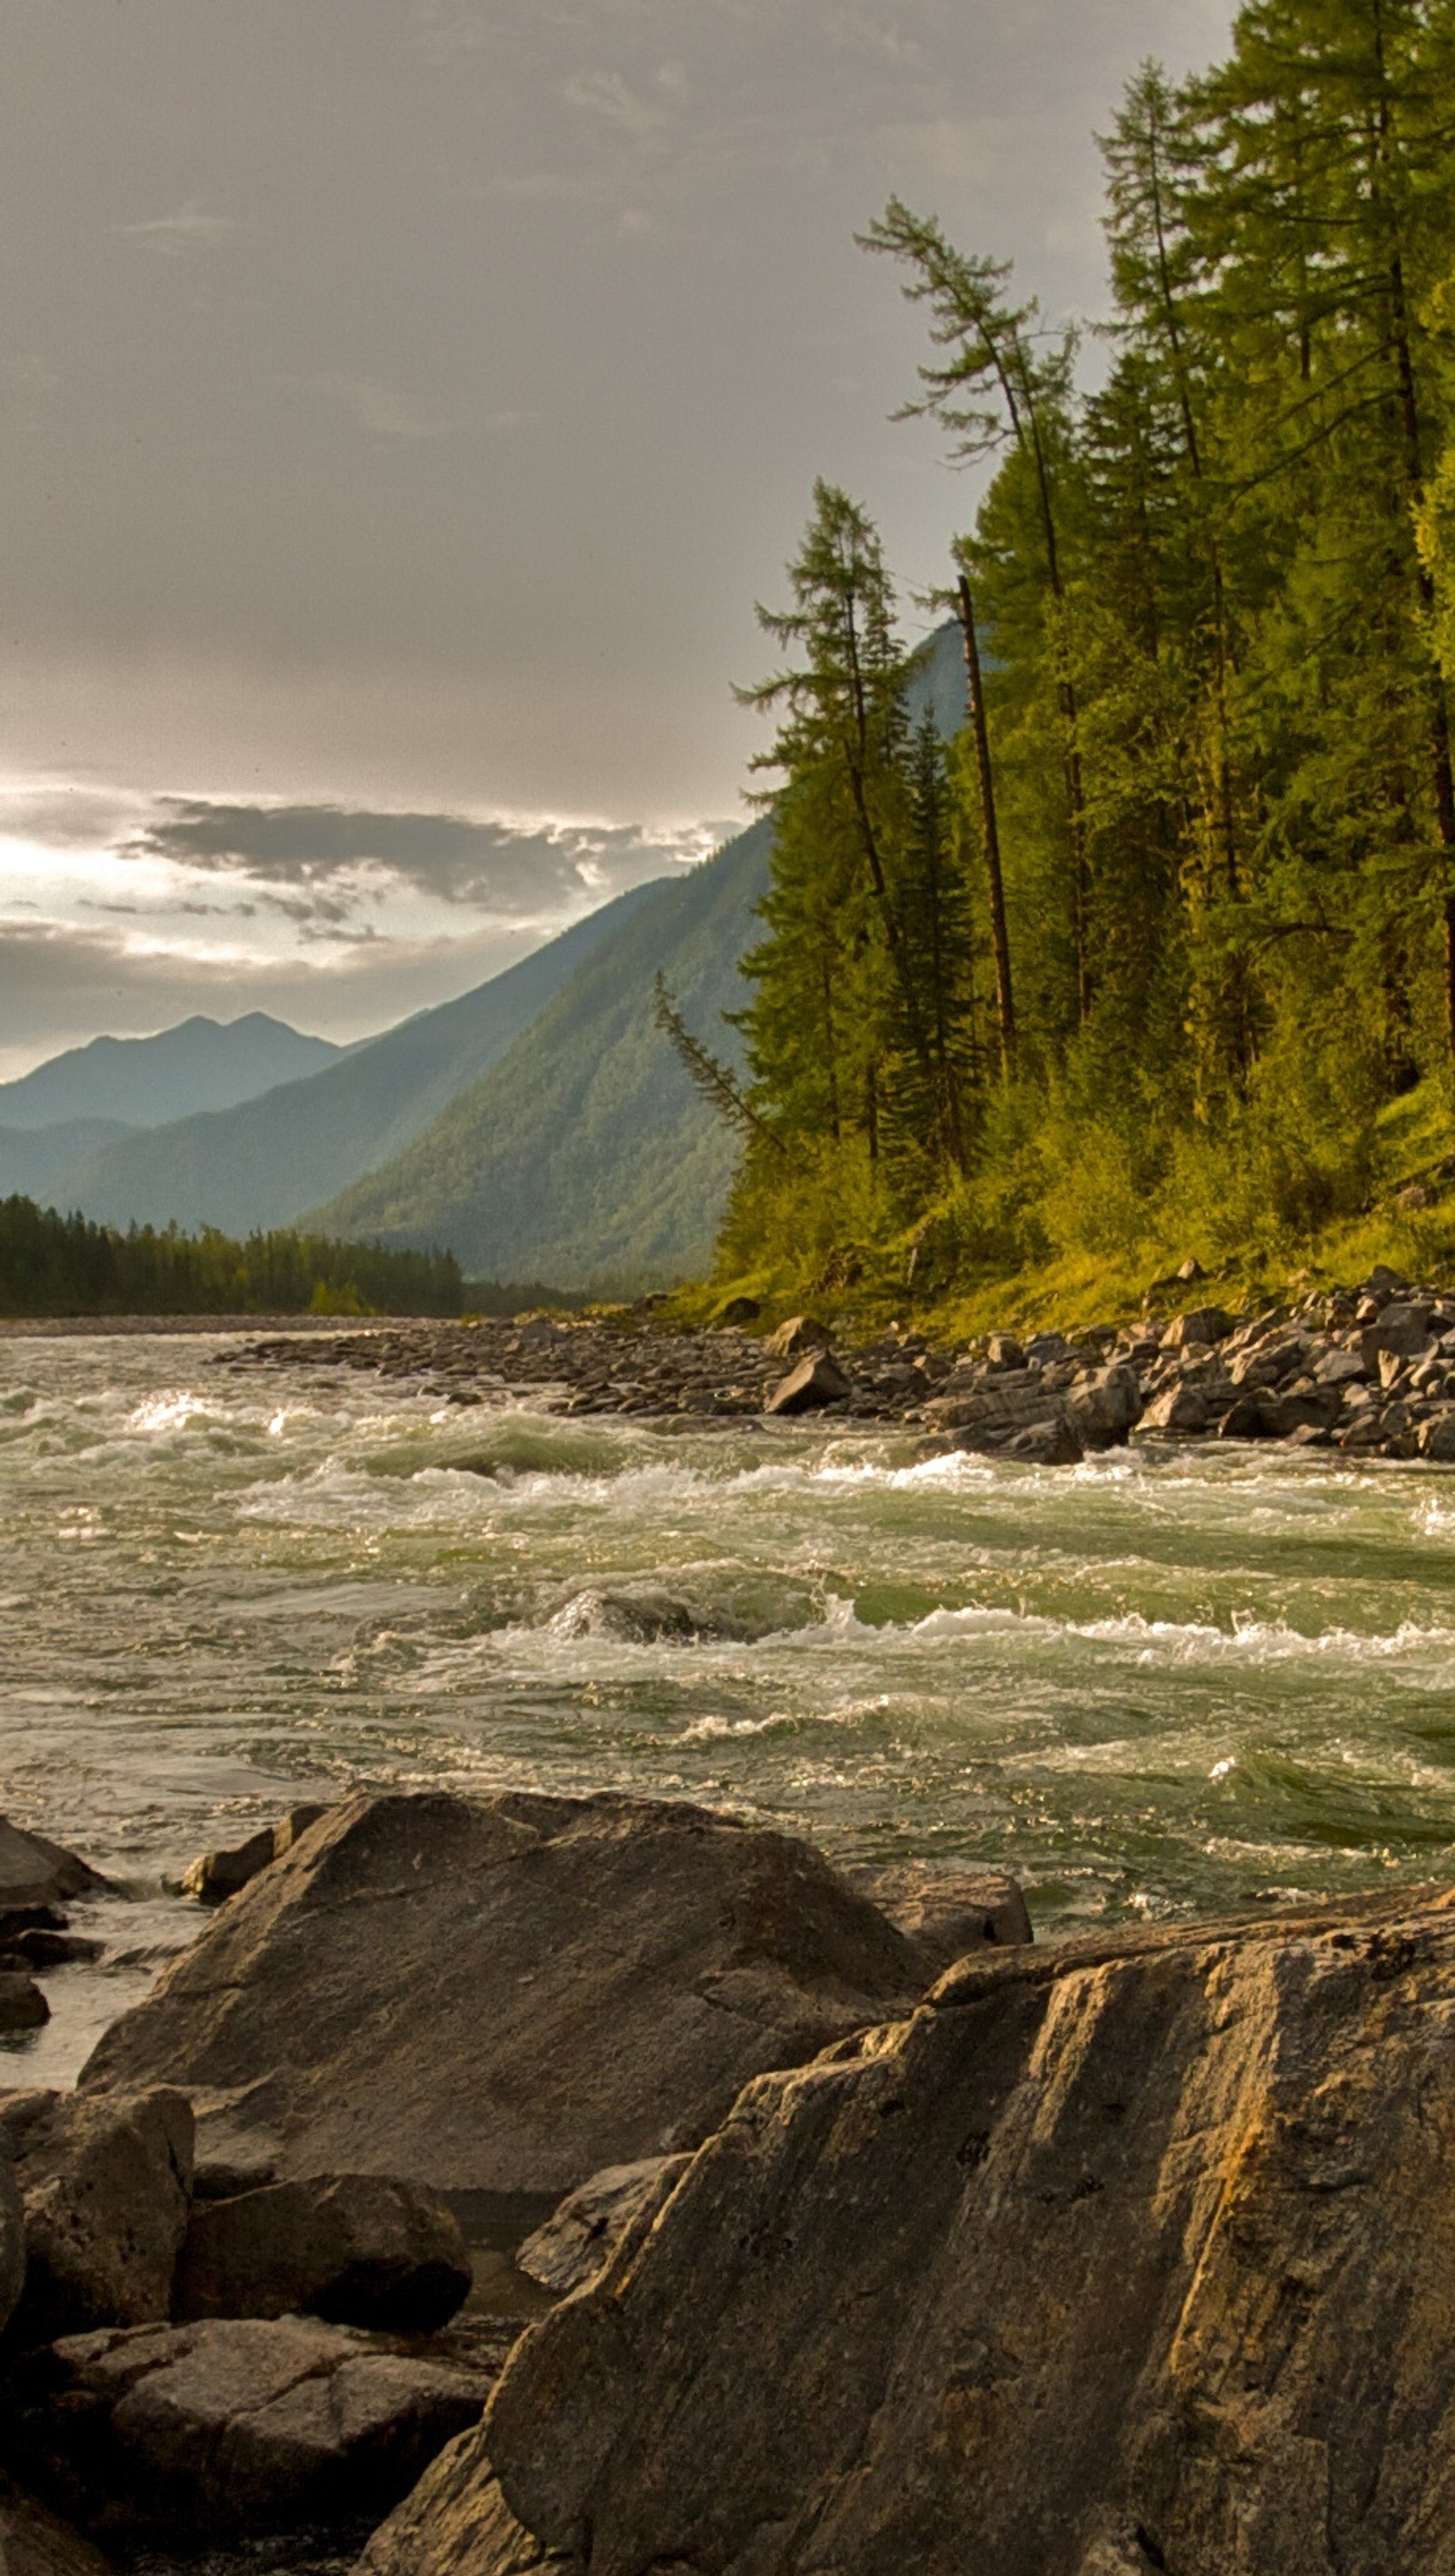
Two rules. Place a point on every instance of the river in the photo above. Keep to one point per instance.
(1167, 1681)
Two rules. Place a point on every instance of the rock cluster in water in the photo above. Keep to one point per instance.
(1369, 1370)
(1132, 2254)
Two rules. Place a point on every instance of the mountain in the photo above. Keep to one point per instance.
(586, 1157)
(37, 1162)
(266, 1161)
(143, 1082)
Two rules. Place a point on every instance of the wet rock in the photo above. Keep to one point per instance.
(800, 1333)
(1051, 1443)
(37, 1947)
(35, 2542)
(1201, 1324)
(22, 2005)
(1435, 1438)
(1247, 1419)
(240, 2424)
(358, 2249)
(947, 1912)
(582, 2235)
(503, 1996)
(104, 2184)
(34, 1871)
(1182, 1407)
(1103, 1404)
(639, 1614)
(221, 1874)
(817, 1380)
(12, 2243)
(1113, 2257)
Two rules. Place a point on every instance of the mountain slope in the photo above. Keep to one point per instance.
(586, 1157)
(264, 1163)
(144, 1082)
(37, 1162)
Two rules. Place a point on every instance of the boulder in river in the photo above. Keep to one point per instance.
(1133, 2254)
(34, 1871)
(104, 2184)
(502, 1996)
(817, 1380)
(580, 2237)
(22, 2005)
(239, 2424)
(221, 1874)
(355, 2248)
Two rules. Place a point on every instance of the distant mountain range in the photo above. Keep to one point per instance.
(540, 1127)
(144, 1082)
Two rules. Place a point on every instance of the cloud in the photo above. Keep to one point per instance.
(508, 869)
(606, 94)
(188, 227)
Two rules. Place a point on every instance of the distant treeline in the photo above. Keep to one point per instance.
(66, 1265)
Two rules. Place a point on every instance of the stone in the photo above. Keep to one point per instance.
(1003, 1351)
(37, 1947)
(358, 2249)
(1341, 1368)
(737, 1312)
(104, 2184)
(592, 2221)
(1103, 1404)
(239, 2424)
(22, 2005)
(1126, 2254)
(1051, 1443)
(35, 2542)
(1383, 1282)
(817, 1380)
(12, 2243)
(1248, 1418)
(1436, 1437)
(800, 1333)
(1180, 1408)
(502, 1996)
(221, 1874)
(1190, 1271)
(34, 1871)
(1201, 1324)
(1402, 1328)
(947, 1912)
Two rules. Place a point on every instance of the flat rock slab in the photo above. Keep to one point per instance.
(501, 1997)
(1132, 2255)
(241, 2424)
(104, 2183)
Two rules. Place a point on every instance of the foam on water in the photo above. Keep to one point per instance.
(1163, 1680)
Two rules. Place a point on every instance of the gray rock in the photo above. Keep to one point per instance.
(355, 2248)
(580, 2237)
(947, 1912)
(34, 1871)
(1341, 1368)
(817, 1380)
(35, 2542)
(221, 1874)
(1436, 1437)
(1049, 1443)
(1114, 2256)
(22, 2005)
(1402, 1330)
(1003, 1351)
(503, 1996)
(1180, 1408)
(1201, 1324)
(241, 2424)
(1103, 1404)
(104, 2184)
(800, 1333)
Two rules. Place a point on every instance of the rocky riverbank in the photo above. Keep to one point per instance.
(605, 2186)
(1369, 1370)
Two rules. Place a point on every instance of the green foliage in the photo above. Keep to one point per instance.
(67, 1265)
(1215, 603)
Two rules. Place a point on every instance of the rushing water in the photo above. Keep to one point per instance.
(1168, 1680)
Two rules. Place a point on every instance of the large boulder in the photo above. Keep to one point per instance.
(580, 2237)
(1126, 2256)
(34, 1871)
(35, 2542)
(104, 2183)
(818, 1380)
(500, 1997)
(22, 2005)
(217, 1875)
(945, 1911)
(356, 2248)
(245, 2424)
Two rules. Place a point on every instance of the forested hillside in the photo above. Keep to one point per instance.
(1146, 960)
(65, 1265)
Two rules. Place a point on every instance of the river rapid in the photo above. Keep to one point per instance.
(1168, 1681)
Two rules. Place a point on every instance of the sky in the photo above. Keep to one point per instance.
(403, 404)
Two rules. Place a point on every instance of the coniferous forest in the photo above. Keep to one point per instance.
(65, 1265)
(1152, 953)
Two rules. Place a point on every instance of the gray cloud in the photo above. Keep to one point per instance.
(493, 867)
